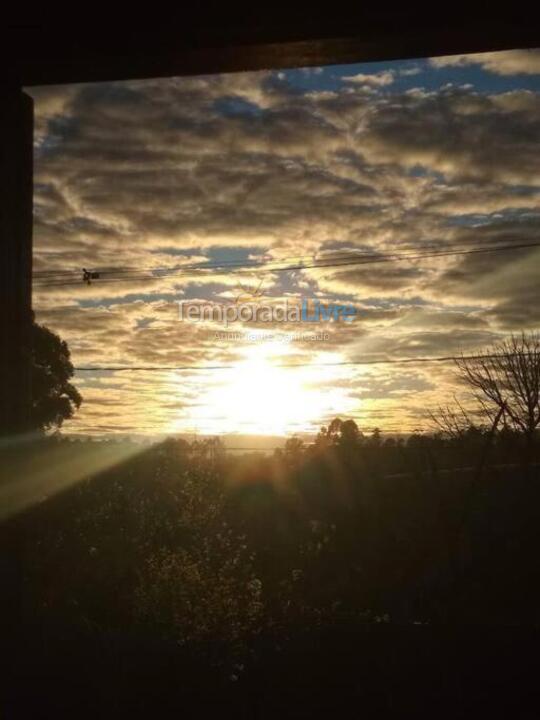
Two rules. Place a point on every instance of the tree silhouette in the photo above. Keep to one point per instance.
(339, 433)
(452, 422)
(54, 398)
(506, 382)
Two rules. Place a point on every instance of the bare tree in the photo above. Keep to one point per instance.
(452, 422)
(506, 382)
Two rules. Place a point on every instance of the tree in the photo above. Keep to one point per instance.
(54, 398)
(506, 382)
(340, 433)
(293, 452)
(453, 423)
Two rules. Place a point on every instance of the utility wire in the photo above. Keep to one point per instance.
(215, 264)
(263, 268)
(251, 264)
(341, 363)
(337, 256)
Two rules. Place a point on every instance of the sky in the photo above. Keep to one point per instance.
(235, 175)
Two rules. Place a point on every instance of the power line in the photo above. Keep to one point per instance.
(203, 265)
(254, 263)
(349, 258)
(341, 363)
(345, 261)
(212, 265)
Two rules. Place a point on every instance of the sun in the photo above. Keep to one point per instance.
(260, 396)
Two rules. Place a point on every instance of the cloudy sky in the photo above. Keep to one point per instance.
(233, 176)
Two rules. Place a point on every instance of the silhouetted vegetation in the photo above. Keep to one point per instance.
(225, 559)
(54, 397)
(189, 567)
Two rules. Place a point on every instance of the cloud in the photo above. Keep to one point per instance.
(510, 62)
(459, 133)
(503, 284)
(156, 173)
(379, 79)
(410, 71)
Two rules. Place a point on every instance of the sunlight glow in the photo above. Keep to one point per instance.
(260, 397)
